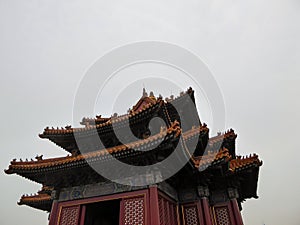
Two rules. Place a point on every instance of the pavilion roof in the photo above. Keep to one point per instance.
(219, 154)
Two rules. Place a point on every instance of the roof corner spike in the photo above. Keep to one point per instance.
(39, 158)
(145, 94)
(190, 89)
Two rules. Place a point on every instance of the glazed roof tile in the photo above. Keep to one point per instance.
(92, 121)
(41, 201)
(230, 134)
(195, 131)
(241, 163)
(202, 162)
(25, 199)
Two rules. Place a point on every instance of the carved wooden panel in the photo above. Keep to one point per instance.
(167, 211)
(191, 216)
(222, 215)
(69, 215)
(134, 211)
(173, 214)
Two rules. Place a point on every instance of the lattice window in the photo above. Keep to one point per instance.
(173, 214)
(134, 211)
(191, 215)
(162, 215)
(167, 212)
(222, 215)
(69, 215)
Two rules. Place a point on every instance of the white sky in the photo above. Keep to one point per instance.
(252, 47)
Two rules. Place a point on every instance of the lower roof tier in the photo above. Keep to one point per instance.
(42, 201)
(244, 170)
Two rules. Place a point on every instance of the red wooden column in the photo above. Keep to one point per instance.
(203, 193)
(153, 206)
(233, 195)
(236, 212)
(82, 215)
(53, 213)
(205, 207)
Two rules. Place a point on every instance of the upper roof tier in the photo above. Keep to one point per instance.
(141, 105)
(139, 117)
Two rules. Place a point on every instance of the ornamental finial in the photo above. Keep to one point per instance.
(145, 94)
(39, 158)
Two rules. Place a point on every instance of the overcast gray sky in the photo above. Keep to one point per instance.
(252, 48)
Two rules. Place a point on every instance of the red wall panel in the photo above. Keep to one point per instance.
(191, 214)
(133, 211)
(69, 215)
(167, 211)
